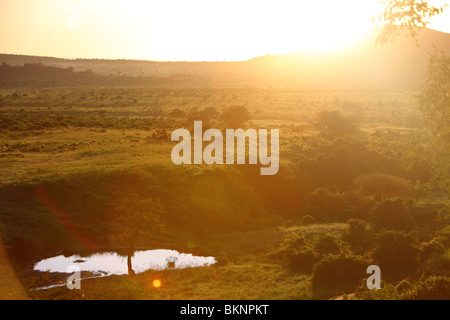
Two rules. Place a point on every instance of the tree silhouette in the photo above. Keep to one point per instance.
(333, 124)
(138, 218)
(400, 15)
(236, 116)
(434, 98)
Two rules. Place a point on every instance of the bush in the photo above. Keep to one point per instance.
(302, 261)
(382, 185)
(433, 288)
(391, 214)
(396, 252)
(290, 247)
(326, 244)
(295, 241)
(357, 234)
(211, 113)
(177, 113)
(333, 124)
(235, 116)
(308, 220)
(324, 204)
(336, 274)
(404, 286)
(387, 292)
(431, 249)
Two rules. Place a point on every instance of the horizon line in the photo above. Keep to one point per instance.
(173, 61)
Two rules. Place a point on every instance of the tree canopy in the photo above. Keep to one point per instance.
(399, 15)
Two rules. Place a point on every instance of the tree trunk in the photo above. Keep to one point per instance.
(130, 254)
(130, 267)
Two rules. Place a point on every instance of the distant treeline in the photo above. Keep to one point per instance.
(39, 75)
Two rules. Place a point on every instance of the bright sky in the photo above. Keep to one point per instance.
(186, 30)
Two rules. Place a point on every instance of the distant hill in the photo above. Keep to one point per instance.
(398, 65)
(43, 75)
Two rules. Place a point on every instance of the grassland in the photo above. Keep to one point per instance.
(84, 148)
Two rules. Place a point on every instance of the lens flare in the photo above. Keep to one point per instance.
(157, 283)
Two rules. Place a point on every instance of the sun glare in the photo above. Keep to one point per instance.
(156, 283)
(237, 30)
(195, 30)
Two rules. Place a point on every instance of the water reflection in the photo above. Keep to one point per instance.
(109, 263)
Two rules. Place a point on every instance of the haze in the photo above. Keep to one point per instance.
(179, 30)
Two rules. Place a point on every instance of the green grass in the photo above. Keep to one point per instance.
(247, 281)
(85, 160)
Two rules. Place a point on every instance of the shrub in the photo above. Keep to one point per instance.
(333, 124)
(294, 242)
(211, 113)
(236, 116)
(325, 204)
(396, 252)
(404, 286)
(337, 274)
(205, 115)
(302, 261)
(357, 234)
(387, 292)
(326, 244)
(382, 185)
(177, 113)
(391, 214)
(308, 220)
(433, 288)
(431, 249)
(290, 247)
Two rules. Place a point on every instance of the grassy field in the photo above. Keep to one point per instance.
(69, 155)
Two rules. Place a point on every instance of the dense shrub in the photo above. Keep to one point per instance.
(333, 124)
(324, 204)
(204, 115)
(404, 286)
(177, 113)
(433, 288)
(337, 274)
(308, 220)
(382, 185)
(428, 288)
(358, 234)
(290, 246)
(431, 249)
(326, 244)
(302, 261)
(388, 291)
(235, 116)
(392, 214)
(396, 253)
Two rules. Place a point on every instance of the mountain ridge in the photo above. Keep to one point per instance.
(399, 65)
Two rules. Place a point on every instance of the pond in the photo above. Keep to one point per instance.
(111, 263)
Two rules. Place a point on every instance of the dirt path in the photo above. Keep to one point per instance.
(349, 297)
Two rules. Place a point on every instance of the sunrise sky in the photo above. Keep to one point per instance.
(194, 30)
